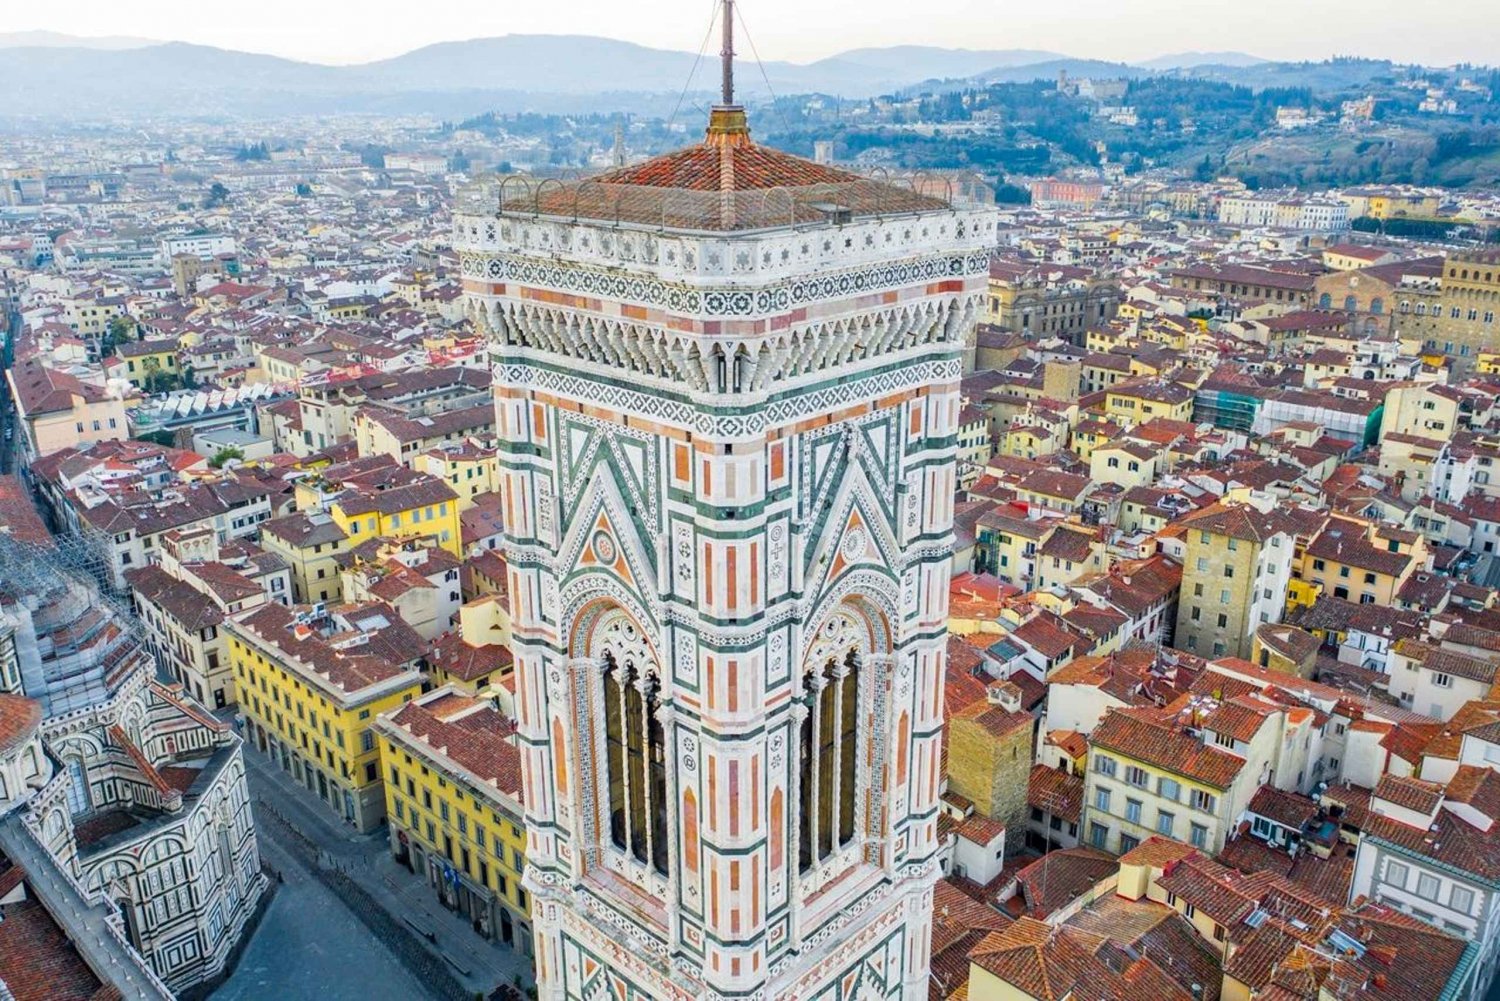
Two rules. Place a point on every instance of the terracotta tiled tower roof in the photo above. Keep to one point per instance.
(727, 160)
(726, 182)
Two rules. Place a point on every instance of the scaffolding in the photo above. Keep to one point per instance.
(76, 642)
(1225, 409)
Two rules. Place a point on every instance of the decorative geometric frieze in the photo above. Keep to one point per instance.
(715, 423)
(726, 302)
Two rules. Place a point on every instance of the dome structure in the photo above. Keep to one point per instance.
(20, 718)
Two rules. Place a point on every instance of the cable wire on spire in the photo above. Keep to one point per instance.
(702, 48)
(775, 103)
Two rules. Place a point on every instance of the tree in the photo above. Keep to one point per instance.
(304, 190)
(118, 330)
(217, 195)
(156, 381)
(223, 455)
(1012, 194)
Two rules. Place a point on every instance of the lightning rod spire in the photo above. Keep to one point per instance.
(726, 54)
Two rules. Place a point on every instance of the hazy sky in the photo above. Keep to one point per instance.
(343, 31)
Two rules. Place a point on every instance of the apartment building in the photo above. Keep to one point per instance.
(1363, 562)
(425, 508)
(1039, 298)
(310, 682)
(184, 600)
(1188, 771)
(1428, 850)
(57, 409)
(1238, 562)
(453, 807)
(381, 431)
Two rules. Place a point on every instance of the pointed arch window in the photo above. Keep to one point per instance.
(636, 757)
(827, 757)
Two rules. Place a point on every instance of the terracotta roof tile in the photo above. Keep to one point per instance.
(37, 961)
(1043, 962)
(1055, 792)
(468, 731)
(1052, 881)
(1409, 793)
(1145, 736)
(19, 719)
(763, 187)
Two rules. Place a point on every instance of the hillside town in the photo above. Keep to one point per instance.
(1217, 656)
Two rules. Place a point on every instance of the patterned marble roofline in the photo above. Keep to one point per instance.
(737, 300)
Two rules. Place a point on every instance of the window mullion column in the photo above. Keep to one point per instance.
(836, 806)
(625, 770)
(818, 684)
(643, 686)
(794, 827)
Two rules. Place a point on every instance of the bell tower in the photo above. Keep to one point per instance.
(726, 391)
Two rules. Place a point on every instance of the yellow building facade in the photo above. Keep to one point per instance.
(1131, 405)
(425, 509)
(140, 365)
(471, 470)
(310, 694)
(1364, 563)
(1234, 578)
(1130, 797)
(311, 543)
(453, 804)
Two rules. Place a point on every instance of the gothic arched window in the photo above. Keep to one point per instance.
(828, 747)
(635, 752)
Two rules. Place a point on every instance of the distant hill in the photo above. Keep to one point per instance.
(174, 78)
(449, 77)
(1049, 70)
(1188, 60)
(54, 75)
(533, 62)
(926, 62)
(58, 40)
(550, 63)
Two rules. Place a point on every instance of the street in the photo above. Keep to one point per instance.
(309, 946)
(289, 819)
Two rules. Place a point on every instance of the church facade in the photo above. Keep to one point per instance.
(120, 787)
(726, 389)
